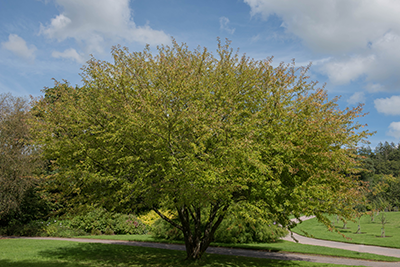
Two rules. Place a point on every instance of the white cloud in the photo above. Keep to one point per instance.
(358, 97)
(375, 87)
(69, 54)
(379, 64)
(394, 129)
(386, 50)
(18, 46)
(223, 24)
(388, 106)
(333, 25)
(95, 24)
(364, 34)
(347, 70)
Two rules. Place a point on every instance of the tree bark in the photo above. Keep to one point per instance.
(198, 238)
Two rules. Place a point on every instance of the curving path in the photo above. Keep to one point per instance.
(393, 252)
(353, 247)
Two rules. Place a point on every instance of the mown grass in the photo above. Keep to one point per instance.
(49, 253)
(280, 246)
(370, 231)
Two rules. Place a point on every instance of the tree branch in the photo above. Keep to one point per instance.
(167, 219)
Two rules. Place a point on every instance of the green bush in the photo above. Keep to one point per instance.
(109, 231)
(97, 219)
(14, 228)
(104, 221)
(96, 222)
(239, 230)
(129, 224)
(164, 230)
(239, 226)
(59, 228)
(34, 207)
(51, 227)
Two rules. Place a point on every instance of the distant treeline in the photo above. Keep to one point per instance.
(382, 173)
(385, 159)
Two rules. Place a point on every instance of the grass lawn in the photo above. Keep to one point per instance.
(280, 246)
(49, 253)
(370, 231)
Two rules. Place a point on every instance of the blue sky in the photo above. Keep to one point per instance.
(354, 45)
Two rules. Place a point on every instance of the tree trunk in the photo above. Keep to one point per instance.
(195, 248)
(198, 235)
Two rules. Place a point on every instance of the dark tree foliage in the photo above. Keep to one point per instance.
(382, 172)
(386, 159)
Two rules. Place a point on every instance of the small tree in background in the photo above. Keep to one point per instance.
(197, 132)
(383, 222)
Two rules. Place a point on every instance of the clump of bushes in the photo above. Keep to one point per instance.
(239, 226)
(110, 223)
(162, 229)
(23, 221)
(51, 227)
(94, 222)
(58, 228)
(239, 230)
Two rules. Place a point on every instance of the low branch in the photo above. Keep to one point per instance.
(219, 220)
(167, 219)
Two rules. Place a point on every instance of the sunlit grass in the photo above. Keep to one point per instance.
(49, 253)
(370, 231)
(280, 246)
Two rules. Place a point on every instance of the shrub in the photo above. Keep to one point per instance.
(97, 219)
(129, 224)
(95, 232)
(165, 230)
(150, 218)
(108, 223)
(96, 222)
(109, 231)
(34, 207)
(240, 226)
(15, 228)
(238, 230)
(59, 228)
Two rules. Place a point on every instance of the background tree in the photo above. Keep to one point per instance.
(381, 170)
(18, 159)
(197, 133)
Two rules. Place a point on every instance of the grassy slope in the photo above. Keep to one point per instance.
(282, 246)
(370, 231)
(49, 253)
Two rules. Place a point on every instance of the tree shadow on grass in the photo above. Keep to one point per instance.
(38, 263)
(89, 254)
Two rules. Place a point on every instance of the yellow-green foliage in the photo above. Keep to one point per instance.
(197, 132)
(242, 225)
(151, 217)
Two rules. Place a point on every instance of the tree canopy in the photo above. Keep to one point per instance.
(18, 159)
(381, 172)
(199, 133)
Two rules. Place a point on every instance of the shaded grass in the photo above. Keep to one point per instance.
(46, 253)
(280, 246)
(370, 231)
